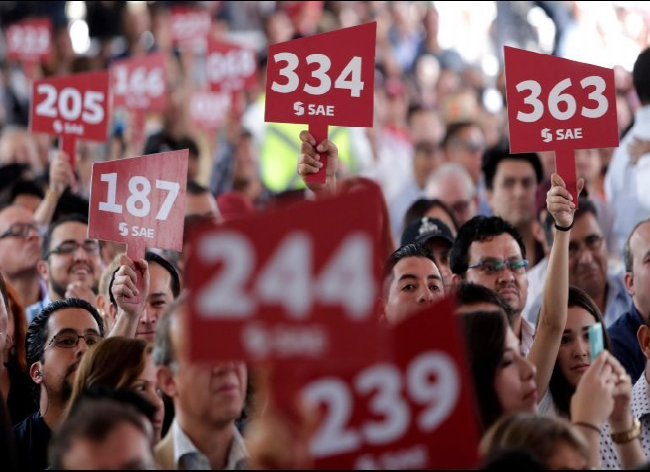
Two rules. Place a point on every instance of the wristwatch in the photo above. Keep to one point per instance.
(629, 435)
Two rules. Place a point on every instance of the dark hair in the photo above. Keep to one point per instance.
(26, 187)
(480, 228)
(560, 389)
(194, 188)
(485, 338)
(188, 143)
(95, 417)
(585, 206)
(408, 250)
(468, 293)
(496, 154)
(47, 239)
(421, 206)
(175, 281)
(7, 446)
(641, 76)
(628, 257)
(37, 332)
(454, 129)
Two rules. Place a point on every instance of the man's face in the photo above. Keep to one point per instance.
(124, 448)
(415, 284)
(160, 294)
(203, 205)
(76, 258)
(425, 162)
(59, 364)
(425, 126)
(18, 253)
(513, 286)
(588, 256)
(213, 394)
(466, 148)
(639, 285)
(513, 192)
(453, 193)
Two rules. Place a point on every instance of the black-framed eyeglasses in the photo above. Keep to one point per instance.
(70, 339)
(593, 242)
(494, 266)
(90, 246)
(21, 230)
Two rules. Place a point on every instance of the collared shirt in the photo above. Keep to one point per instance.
(640, 409)
(627, 198)
(618, 301)
(625, 345)
(188, 457)
(527, 337)
(536, 277)
(398, 206)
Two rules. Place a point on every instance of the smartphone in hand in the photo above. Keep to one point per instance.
(596, 343)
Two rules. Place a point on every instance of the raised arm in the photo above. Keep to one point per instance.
(123, 290)
(553, 314)
(309, 163)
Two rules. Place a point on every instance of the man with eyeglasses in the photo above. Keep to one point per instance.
(71, 263)
(20, 245)
(56, 340)
(589, 269)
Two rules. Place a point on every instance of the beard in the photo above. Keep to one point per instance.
(60, 288)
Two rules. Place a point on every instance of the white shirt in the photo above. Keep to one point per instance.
(183, 446)
(626, 185)
(536, 277)
(527, 337)
(640, 409)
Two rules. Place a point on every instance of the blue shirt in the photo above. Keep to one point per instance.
(625, 345)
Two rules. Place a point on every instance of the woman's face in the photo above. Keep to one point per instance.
(573, 356)
(147, 386)
(515, 380)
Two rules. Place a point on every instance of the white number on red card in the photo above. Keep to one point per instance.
(562, 106)
(138, 203)
(431, 380)
(29, 40)
(236, 63)
(140, 82)
(287, 277)
(70, 104)
(348, 79)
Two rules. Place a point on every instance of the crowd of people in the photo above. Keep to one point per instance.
(94, 370)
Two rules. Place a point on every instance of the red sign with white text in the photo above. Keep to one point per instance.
(327, 78)
(190, 26)
(413, 410)
(296, 285)
(208, 110)
(30, 39)
(140, 201)
(73, 105)
(139, 83)
(323, 80)
(556, 104)
(230, 67)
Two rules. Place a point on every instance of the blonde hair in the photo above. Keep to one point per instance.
(538, 435)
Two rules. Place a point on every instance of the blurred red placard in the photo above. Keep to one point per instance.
(413, 410)
(208, 110)
(30, 39)
(323, 80)
(140, 201)
(230, 67)
(140, 83)
(559, 105)
(297, 285)
(189, 25)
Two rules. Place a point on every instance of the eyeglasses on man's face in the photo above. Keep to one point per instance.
(20, 230)
(90, 246)
(495, 266)
(593, 242)
(69, 339)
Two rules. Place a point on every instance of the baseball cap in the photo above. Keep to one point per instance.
(424, 229)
